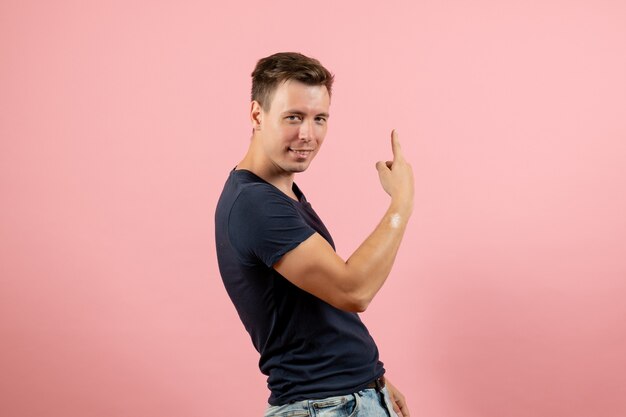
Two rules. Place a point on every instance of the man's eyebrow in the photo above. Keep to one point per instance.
(301, 113)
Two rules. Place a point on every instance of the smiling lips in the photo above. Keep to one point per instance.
(301, 152)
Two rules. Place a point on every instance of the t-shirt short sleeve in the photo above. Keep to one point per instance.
(264, 224)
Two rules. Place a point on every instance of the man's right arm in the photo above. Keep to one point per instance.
(352, 284)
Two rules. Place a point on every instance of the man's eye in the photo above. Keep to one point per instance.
(320, 120)
(293, 118)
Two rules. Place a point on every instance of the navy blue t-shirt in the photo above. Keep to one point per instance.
(309, 349)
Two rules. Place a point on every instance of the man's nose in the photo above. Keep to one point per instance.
(306, 130)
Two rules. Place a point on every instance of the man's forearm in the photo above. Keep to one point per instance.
(370, 264)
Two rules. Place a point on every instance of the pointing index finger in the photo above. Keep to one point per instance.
(395, 144)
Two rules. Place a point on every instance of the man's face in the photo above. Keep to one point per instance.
(294, 127)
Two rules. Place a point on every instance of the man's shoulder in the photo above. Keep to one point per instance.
(250, 196)
(243, 183)
(244, 180)
(247, 188)
(259, 221)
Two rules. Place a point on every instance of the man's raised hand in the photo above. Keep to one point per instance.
(396, 176)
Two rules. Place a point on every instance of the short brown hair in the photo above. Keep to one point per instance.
(275, 69)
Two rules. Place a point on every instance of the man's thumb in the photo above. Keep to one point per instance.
(381, 166)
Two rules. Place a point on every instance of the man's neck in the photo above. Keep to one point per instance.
(282, 181)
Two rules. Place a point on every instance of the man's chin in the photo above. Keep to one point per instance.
(296, 168)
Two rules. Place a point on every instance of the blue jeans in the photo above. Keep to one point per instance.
(366, 403)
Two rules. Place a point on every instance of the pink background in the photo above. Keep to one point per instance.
(119, 121)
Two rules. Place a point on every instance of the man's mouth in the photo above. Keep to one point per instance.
(301, 152)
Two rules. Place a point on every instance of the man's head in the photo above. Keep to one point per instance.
(272, 71)
(289, 111)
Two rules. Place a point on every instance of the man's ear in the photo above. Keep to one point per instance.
(255, 115)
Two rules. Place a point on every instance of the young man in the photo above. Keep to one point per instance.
(295, 296)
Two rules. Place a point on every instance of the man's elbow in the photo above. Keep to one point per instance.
(359, 307)
(356, 302)
(355, 294)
